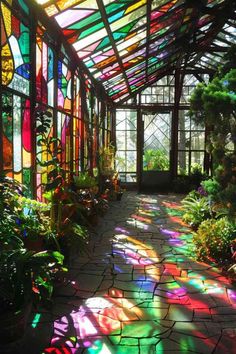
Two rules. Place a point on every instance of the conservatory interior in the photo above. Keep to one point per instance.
(118, 176)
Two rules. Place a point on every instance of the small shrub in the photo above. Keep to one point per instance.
(213, 238)
(197, 208)
(211, 186)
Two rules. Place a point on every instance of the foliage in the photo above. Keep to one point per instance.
(26, 275)
(211, 186)
(22, 217)
(22, 270)
(107, 160)
(72, 238)
(51, 148)
(186, 183)
(213, 238)
(215, 106)
(197, 208)
(84, 180)
(155, 160)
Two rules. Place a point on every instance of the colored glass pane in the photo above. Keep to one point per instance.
(69, 17)
(86, 22)
(45, 81)
(89, 27)
(63, 133)
(83, 43)
(24, 7)
(15, 51)
(16, 126)
(42, 152)
(64, 87)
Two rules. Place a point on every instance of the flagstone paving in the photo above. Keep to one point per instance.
(138, 290)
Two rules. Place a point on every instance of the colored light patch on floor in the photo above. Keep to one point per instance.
(158, 298)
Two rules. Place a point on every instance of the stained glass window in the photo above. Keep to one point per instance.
(15, 52)
(17, 141)
(63, 133)
(43, 154)
(64, 87)
(77, 126)
(45, 82)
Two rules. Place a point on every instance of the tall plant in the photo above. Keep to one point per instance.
(214, 104)
(51, 148)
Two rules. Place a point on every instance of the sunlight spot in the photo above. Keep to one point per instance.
(97, 303)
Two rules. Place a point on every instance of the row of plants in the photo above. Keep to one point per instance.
(212, 221)
(26, 275)
(39, 238)
(211, 209)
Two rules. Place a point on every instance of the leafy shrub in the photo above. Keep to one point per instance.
(155, 160)
(211, 186)
(213, 238)
(84, 180)
(197, 208)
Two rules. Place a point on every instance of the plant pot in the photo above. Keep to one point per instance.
(13, 325)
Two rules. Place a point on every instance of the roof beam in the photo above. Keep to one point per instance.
(107, 26)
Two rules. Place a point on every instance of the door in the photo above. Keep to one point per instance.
(156, 144)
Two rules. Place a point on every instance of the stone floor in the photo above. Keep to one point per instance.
(138, 291)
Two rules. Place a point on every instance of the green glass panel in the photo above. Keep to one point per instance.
(104, 43)
(87, 21)
(90, 30)
(27, 178)
(128, 27)
(24, 42)
(117, 35)
(183, 28)
(24, 6)
(115, 6)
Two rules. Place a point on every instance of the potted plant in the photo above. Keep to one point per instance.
(25, 277)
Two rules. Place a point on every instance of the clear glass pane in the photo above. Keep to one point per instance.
(197, 140)
(120, 140)
(197, 159)
(183, 162)
(156, 141)
(184, 140)
(131, 161)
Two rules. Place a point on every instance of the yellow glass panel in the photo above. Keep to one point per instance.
(6, 14)
(135, 6)
(88, 4)
(67, 104)
(26, 159)
(7, 65)
(64, 4)
(128, 18)
(51, 10)
(18, 177)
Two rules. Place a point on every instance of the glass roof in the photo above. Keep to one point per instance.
(127, 45)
